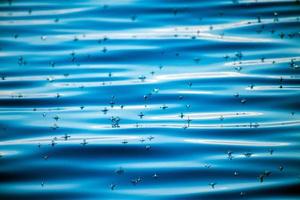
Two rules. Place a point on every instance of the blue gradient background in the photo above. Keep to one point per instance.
(198, 93)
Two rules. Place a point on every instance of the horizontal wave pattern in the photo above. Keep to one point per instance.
(159, 99)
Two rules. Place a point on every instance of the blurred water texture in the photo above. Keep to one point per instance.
(153, 99)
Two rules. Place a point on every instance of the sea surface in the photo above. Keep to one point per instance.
(149, 99)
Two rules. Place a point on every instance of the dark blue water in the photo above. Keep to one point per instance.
(158, 99)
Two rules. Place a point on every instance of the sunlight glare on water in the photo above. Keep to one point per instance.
(149, 99)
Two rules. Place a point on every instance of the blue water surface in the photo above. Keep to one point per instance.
(149, 99)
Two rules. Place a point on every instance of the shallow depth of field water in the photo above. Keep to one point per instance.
(158, 99)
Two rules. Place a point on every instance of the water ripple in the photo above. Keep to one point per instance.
(132, 99)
